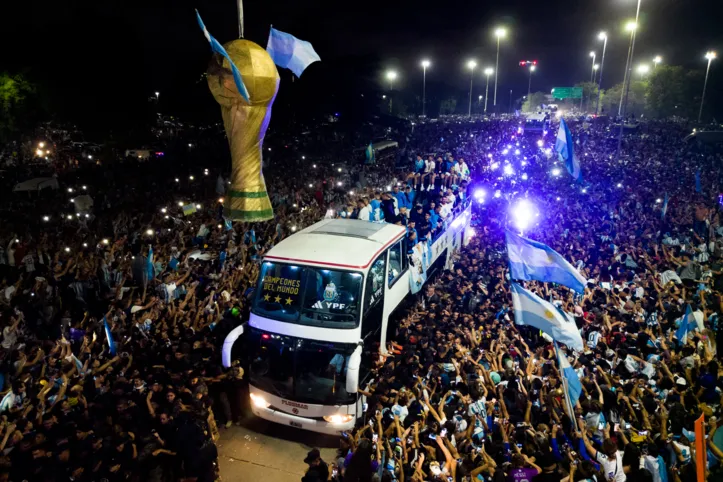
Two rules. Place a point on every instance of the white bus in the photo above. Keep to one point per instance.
(321, 310)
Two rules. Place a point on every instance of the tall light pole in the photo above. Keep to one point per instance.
(425, 64)
(710, 56)
(529, 82)
(499, 33)
(604, 37)
(510, 101)
(656, 60)
(633, 36)
(471, 66)
(630, 27)
(595, 68)
(488, 72)
(391, 76)
(592, 68)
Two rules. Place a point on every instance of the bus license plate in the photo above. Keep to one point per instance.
(296, 424)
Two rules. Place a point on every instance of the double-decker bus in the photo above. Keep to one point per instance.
(321, 310)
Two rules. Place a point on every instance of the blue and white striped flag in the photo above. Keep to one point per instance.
(665, 207)
(149, 266)
(687, 324)
(566, 152)
(530, 260)
(109, 337)
(218, 48)
(290, 53)
(569, 375)
(532, 310)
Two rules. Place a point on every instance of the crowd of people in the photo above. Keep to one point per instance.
(112, 323)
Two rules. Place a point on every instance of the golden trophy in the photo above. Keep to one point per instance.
(245, 124)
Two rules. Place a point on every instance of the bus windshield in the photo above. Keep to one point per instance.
(308, 295)
(304, 371)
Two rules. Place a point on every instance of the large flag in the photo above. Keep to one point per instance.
(369, 153)
(532, 310)
(530, 260)
(109, 337)
(218, 48)
(665, 207)
(289, 52)
(149, 266)
(569, 375)
(687, 324)
(566, 152)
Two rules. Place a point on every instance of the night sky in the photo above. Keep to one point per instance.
(103, 59)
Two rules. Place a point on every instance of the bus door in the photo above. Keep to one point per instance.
(372, 318)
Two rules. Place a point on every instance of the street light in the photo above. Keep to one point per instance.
(157, 94)
(710, 56)
(471, 66)
(604, 37)
(499, 33)
(643, 69)
(656, 60)
(592, 69)
(632, 27)
(488, 72)
(529, 83)
(391, 76)
(425, 63)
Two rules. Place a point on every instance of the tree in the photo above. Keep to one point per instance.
(589, 95)
(636, 99)
(534, 101)
(448, 106)
(14, 92)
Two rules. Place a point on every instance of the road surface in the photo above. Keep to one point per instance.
(264, 451)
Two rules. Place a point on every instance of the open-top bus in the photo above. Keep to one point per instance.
(321, 309)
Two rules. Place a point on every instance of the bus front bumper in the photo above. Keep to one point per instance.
(300, 422)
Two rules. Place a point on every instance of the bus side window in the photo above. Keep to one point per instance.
(397, 261)
(375, 282)
(405, 254)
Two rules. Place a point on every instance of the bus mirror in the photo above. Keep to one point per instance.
(228, 345)
(352, 370)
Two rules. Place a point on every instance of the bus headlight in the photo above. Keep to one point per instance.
(338, 419)
(259, 401)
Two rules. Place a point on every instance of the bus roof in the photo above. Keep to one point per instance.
(340, 243)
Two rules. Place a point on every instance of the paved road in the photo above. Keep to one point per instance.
(261, 451)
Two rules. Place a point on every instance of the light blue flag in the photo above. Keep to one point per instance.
(369, 154)
(574, 387)
(532, 310)
(566, 152)
(149, 266)
(665, 207)
(109, 337)
(698, 187)
(290, 53)
(687, 324)
(530, 260)
(218, 48)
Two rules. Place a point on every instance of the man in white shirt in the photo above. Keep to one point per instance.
(365, 210)
(609, 458)
(429, 167)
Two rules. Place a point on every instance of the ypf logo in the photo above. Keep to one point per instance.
(295, 411)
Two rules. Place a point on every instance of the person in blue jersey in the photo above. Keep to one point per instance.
(398, 195)
(446, 170)
(418, 170)
(408, 198)
(376, 205)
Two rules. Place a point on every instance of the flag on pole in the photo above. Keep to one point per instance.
(698, 187)
(369, 154)
(289, 52)
(571, 381)
(687, 324)
(218, 48)
(240, 8)
(532, 310)
(109, 337)
(566, 152)
(530, 260)
(665, 207)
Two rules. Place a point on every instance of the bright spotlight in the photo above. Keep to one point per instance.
(498, 193)
(508, 170)
(556, 171)
(524, 176)
(523, 214)
(540, 143)
(479, 193)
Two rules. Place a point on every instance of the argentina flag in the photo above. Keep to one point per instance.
(290, 53)
(566, 153)
(109, 337)
(572, 381)
(530, 260)
(532, 310)
(218, 48)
